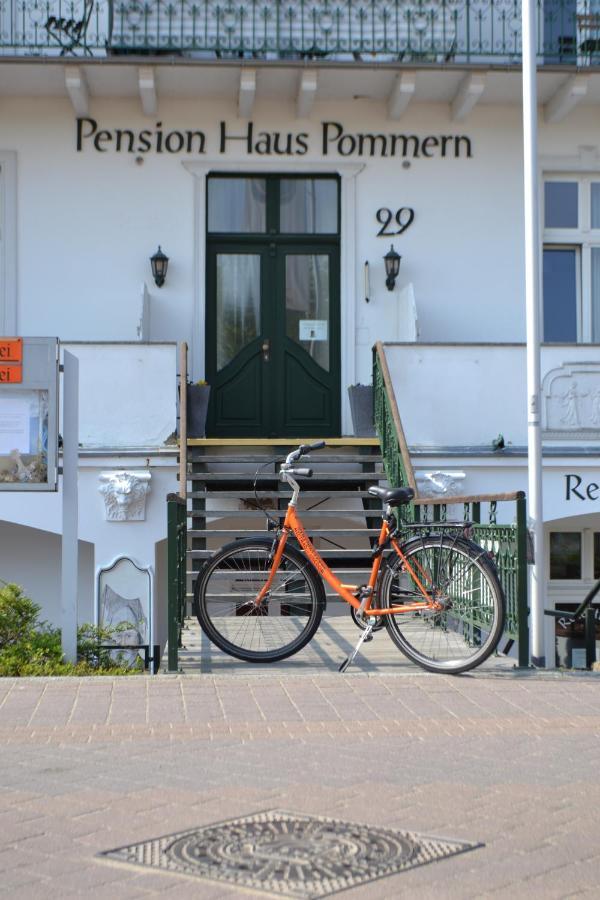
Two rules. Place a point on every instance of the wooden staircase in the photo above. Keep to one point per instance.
(339, 515)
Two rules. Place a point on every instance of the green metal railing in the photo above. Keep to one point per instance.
(446, 31)
(507, 543)
(176, 575)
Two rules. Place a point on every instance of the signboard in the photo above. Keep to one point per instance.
(11, 360)
(11, 350)
(11, 374)
(312, 330)
(28, 414)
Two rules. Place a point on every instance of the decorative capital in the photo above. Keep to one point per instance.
(125, 495)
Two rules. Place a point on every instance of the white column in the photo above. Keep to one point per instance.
(70, 512)
(532, 303)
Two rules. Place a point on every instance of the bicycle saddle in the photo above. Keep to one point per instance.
(396, 495)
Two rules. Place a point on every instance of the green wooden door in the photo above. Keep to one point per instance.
(273, 313)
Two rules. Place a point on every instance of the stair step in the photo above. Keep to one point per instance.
(311, 532)
(327, 554)
(284, 494)
(321, 458)
(280, 513)
(271, 477)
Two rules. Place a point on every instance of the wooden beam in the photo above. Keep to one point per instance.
(567, 97)
(147, 88)
(307, 92)
(467, 96)
(402, 92)
(247, 93)
(77, 89)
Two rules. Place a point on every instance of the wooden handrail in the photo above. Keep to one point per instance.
(479, 498)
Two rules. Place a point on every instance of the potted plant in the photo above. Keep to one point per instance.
(361, 408)
(198, 394)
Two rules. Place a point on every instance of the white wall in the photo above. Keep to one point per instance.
(466, 395)
(89, 221)
(31, 558)
(127, 394)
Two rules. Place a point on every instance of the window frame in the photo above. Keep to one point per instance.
(587, 558)
(584, 238)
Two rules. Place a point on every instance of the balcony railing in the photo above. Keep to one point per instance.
(437, 31)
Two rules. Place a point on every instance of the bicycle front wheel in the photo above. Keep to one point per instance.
(286, 619)
(460, 623)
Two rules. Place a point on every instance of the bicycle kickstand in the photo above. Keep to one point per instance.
(365, 636)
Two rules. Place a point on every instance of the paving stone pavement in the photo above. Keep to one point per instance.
(508, 759)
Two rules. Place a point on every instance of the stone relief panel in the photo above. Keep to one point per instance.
(125, 495)
(435, 484)
(572, 401)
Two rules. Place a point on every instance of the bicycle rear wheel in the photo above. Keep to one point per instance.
(468, 624)
(285, 620)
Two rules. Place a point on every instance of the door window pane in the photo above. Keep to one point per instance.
(307, 304)
(565, 554)
(596, 295)
(237, 205)
(560, 294)
(308, 206)
(560, 204)
(596, 204)
(238, 303)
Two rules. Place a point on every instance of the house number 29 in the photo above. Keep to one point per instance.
(394, 223)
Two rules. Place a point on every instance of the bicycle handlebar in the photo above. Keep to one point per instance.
(301, 473)
(302, 449)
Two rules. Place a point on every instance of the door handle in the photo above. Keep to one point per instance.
(266, 350)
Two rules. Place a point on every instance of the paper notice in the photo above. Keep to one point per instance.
(14, 425)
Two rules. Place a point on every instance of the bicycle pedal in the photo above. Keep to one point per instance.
(344, 665)
(368, 638)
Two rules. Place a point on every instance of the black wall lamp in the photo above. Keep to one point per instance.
(392, 267)
(160, 264)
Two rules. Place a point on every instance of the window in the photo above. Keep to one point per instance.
(571, 259)
(565, 555)
(575, 555)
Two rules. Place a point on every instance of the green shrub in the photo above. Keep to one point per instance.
(18, 616)
(31, 647)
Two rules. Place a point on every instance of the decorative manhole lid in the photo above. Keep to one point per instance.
(290, 855)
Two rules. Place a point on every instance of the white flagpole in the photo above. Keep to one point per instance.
(534, 439)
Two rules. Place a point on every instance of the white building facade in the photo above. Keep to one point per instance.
(275, 176)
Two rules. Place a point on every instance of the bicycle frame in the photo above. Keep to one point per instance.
(293, 525)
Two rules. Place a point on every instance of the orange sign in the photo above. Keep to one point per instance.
(11, 374)
(11, 350)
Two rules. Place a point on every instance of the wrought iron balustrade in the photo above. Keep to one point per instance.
(507, 543)
(445, 31)
(176, 576)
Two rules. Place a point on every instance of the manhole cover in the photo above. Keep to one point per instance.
(289, 855)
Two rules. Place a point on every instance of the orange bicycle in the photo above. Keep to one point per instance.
(438, 594)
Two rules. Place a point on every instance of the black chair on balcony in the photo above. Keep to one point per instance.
(71, 34)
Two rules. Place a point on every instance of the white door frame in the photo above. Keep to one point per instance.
(348, 256)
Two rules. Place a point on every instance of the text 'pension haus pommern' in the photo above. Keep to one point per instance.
(334, 141)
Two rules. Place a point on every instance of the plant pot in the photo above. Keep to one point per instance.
(361, 407)
(197, 407)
